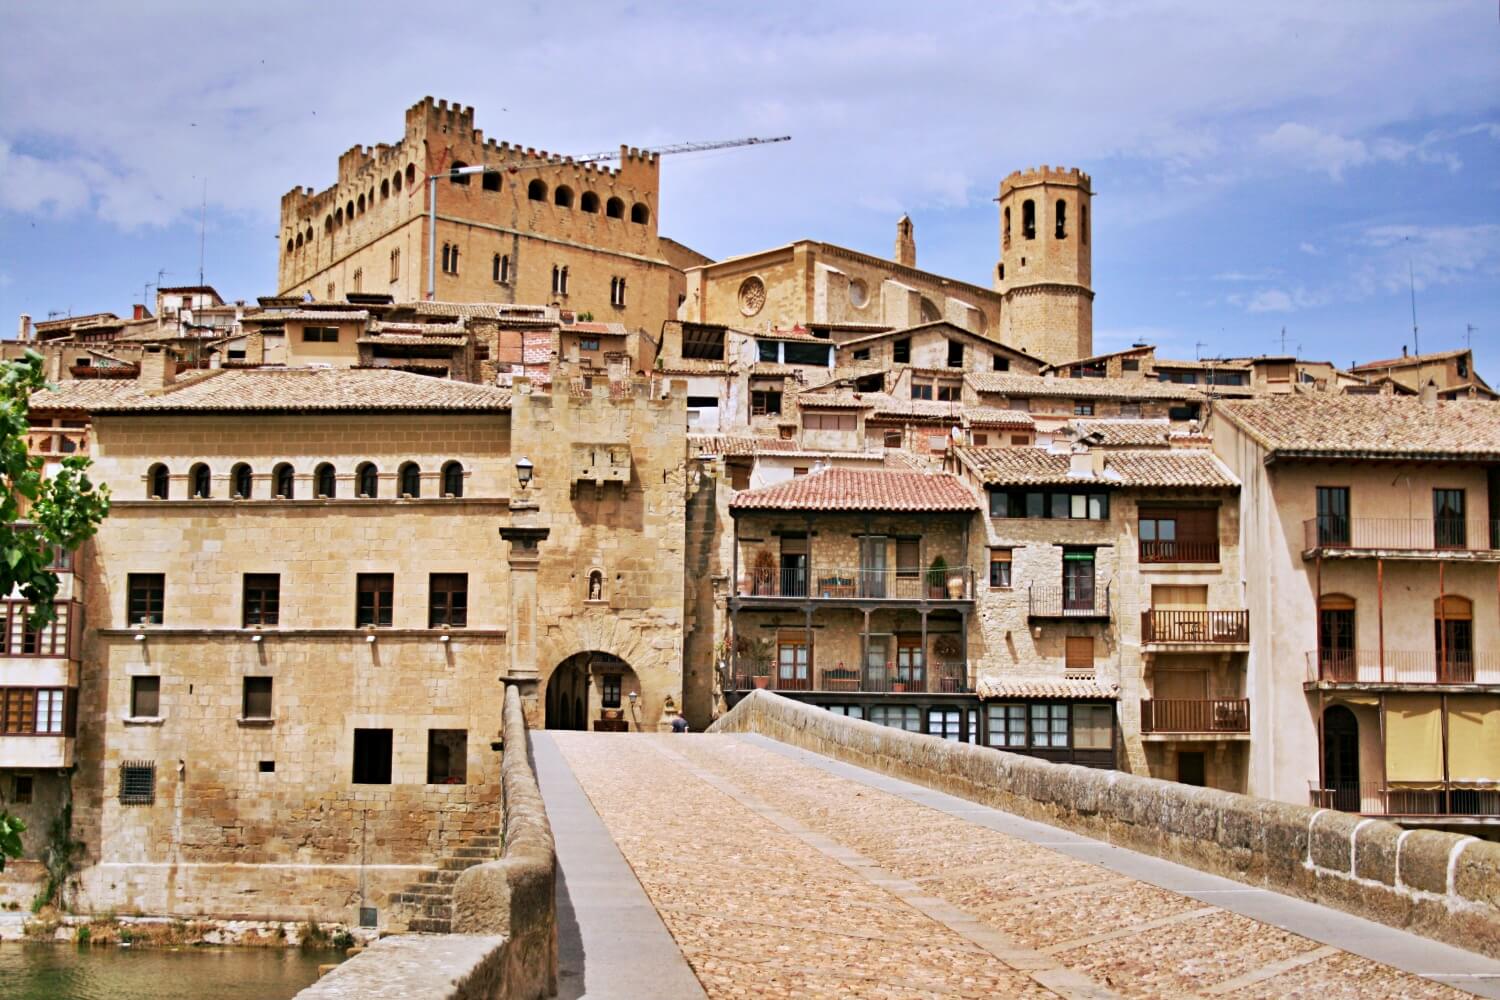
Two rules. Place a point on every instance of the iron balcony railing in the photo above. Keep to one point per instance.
(1210, 715)
(1429, 799)
(1067, 602)
(1195, 626)
(57, 639)
(861, 583)
(1365, 666)
(1179, 552)
(1356, 534)
(937, 678)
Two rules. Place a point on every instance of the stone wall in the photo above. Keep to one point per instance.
(1439, 885)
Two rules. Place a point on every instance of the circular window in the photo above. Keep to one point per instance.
(752, 296)
(859, 294)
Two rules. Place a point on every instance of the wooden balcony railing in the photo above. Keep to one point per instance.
(939, 678)
(1374, 798)
(1398, 533)
(859, 583)
(1213, 715)
(1195, 626)
(1067, 602)
(58, 639)
(1179, 552)
(1365, 666)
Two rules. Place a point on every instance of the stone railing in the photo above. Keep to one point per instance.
(504, 945)
(1440, 885)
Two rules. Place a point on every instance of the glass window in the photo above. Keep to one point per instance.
(1007, 725)
(852, 711)
(609, 691)
(374, 600)
(947, 723)
(448, 600)
(1049, 725)
(896, 716)
(262, 599)
(901, 351)
(146, 597)
(1000, 563)
(49, 711)
(1093, 727)
(768, 350)
(145, 697)
(805, 354)
(1078, 506)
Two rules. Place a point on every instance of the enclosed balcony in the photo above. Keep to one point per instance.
(1208, 717)
(767, 584)
(1469, 538)
(37, 726)
(58, 639)
(1394, 667)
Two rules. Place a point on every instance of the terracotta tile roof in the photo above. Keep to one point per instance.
(614, 329)
(1369, 426)
(837, 400)
(736, 444)
(857, 490)
(326, 315)
(1123, 469)
(429, 329)
(511, 314)
(990, 416)
(992, 688)
(795, 333)
(694, 366)
(1411, 359)
(886, 405)
(774, 369)
(1125, 433)
(284, 389)
(1009, 384)
(451, 340)
(82, 394)
(1222, 366)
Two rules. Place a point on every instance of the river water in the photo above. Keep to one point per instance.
(30, 971)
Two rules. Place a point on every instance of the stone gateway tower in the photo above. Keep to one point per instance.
(1044, 272)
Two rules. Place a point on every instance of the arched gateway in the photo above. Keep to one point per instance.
(592, 690)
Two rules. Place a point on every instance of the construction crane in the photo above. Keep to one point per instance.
(556, 161)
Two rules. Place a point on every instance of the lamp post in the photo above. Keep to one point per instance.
(524, 470)
(432, 219)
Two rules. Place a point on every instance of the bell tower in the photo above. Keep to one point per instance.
(1045, 271)
(906, 243)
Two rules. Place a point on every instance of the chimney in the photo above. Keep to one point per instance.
(138, 311)
(1403, 350)
(23, 328)
(906, 244)
(158, 369)
(1080, 463)
(255, 348)
(1429, 394)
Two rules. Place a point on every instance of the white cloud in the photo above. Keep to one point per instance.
(1315, 149)
(1310, 249)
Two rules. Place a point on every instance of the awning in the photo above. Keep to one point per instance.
(1413, 738)
(1474, 737)
(995, 689)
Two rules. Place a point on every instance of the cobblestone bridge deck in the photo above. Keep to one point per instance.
(779, 873)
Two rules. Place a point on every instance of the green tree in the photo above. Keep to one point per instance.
(40, 516)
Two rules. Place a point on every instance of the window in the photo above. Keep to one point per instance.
(799, 470)
(1049, 503)
(1453, 639)
(262, 605)
(396, 264)
(1028, 219)
(848, 711)
(1000, 364)
(588, 343)
(267, 767)
(896, 716)
(324, 481)
(502, 268)
(283, 481)
(921, 390)
(949, 393)
(981, 440)
(828, 421)
(1333, 515)
(137, 783)
(948, 723)
(908, 557)
(372, 756)
(19, 709)
(559, 280)
(901, 351)
(609, 691)
(453, 479)
(20, 792)
(703, 402)
(617, 291)
(614, 208)
(359, 279)
(368, 479)
(375, 596)
(765, 402)
(891, 439)
(792, 660)
(1000, 563)
(955, 354)
(448, 600)
(145, 697)
(862, 354)
(1049, 723)
(490, 180)
(589, 202)
(640, 214)
(145, 595)
(1083, 407)
(447, 756)
(1078, 579)
(1130, 410)
(562, 197)
(158, 482)
(1179, 535)
(1448, 519)
(537, 190)
(1079, 652)
(767, 350)
(1007, 725)
(1061, 210)
(450, 258)
(1093, 727)
(410, 479)
(1005, 232)
(1083, 223)
(200, 481)
(805, 354)
(255, 702)
(1336, 638)
(320, 334)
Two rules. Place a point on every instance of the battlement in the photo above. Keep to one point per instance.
(1045, 174)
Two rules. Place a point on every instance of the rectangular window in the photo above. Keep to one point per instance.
(262, 605)
(256, 701)
(609, 691)
(805, 354)
(49, 711)
(765, 402)
(1083, 408)
(1000, 563)
(137, 783)
(1130, 410)
(19, 710)
(829, 421)
(949, 393)
(1035, 504)
(1333, 515)
(448, 600)
(850, 711)
(1448, 519)
(921, 390)
(1001, 364)
(901, 351)
(320, 335)
(948, 723)
(145, 697)
(1049, 725)
(375, 597)
(1130, 365)
(891, 439)
(896, 716)
(21, 790)
(862, 354)
(703, 402)
(1093, 727)
(908, 557)
(768, 350)
(1007, 725)
(372, 757)
(1078, 580)
(981, 440)
(588, 343)
(792, 661)
(1080, 653)
(955, 354)
(146, 593)
(447, 756)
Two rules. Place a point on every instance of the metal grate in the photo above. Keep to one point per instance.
(367, 916)
(138, 783)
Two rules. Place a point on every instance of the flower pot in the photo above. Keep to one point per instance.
(956, 587)
(898, 687)
(762, 680)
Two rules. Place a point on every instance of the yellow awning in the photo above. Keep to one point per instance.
(1474, 737)
(1413, 738)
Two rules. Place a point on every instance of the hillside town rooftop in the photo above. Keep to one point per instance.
(858, 490)
(1369, 427)
(1035, 467)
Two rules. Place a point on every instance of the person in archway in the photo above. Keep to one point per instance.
(679, 724)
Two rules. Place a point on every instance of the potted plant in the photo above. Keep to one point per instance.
(759, 651)
(898, 684)
(937, 577)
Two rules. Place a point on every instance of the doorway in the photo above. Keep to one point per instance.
(1192, 768)
(1341, 757)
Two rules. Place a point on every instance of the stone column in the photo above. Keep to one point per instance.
(520, 639)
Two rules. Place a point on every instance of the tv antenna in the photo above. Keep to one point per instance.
(1469, 329)
(202, 231)
(1411, 277)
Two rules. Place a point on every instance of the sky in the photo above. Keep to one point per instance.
(1268, 170)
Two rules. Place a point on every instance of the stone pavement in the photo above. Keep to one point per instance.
(783, 874)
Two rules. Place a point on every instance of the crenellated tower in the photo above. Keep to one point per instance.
(1044, 272)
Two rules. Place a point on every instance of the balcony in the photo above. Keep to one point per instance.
(1216, 717)
(1208, 629)
(1402, 667)
(940, 678)
(56, 640)
(1067, 603)
(1401, 538)
(37, 726)
(771, 586)
(1432, 801)
(1179, 552)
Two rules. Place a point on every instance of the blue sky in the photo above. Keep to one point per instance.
(1257, 166)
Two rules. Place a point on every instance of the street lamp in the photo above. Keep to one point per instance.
(523, 472)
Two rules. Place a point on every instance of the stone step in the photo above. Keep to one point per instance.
(439, 877)
(417, 896)
(458, 864)
(493, 842)
(430, 925)
(483, 853)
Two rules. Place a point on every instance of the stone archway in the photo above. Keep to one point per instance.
(592, 690)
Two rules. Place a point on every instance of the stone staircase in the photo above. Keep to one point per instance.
(428, 902)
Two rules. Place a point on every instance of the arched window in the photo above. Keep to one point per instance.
(1028, 219)
(559, 280)
(614, 208)
(349, 211)
(505, 269)
(1336, 638)
(589, 202)
(453, 479)
(640, 213)
(490, 180)
(309, 235)
(458, 178)
(367, 479)
(447, 254)
(563, 196)
(1005, 229)
(289, 246)
(240, 482)
(157, 482)
(200, 482)
(1453, 638)
(411, 174)
(283, 481)
(1062, 219)
(385, 190)
(325, 483)
(338, 217)
(396, 181)
(327, 223)
(537, 190)
(360, 204)
(1083, 223)
(1002, 271)
(410, 476)
(495, 268)
(396, 264)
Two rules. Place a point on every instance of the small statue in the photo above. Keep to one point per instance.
(596, 587)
